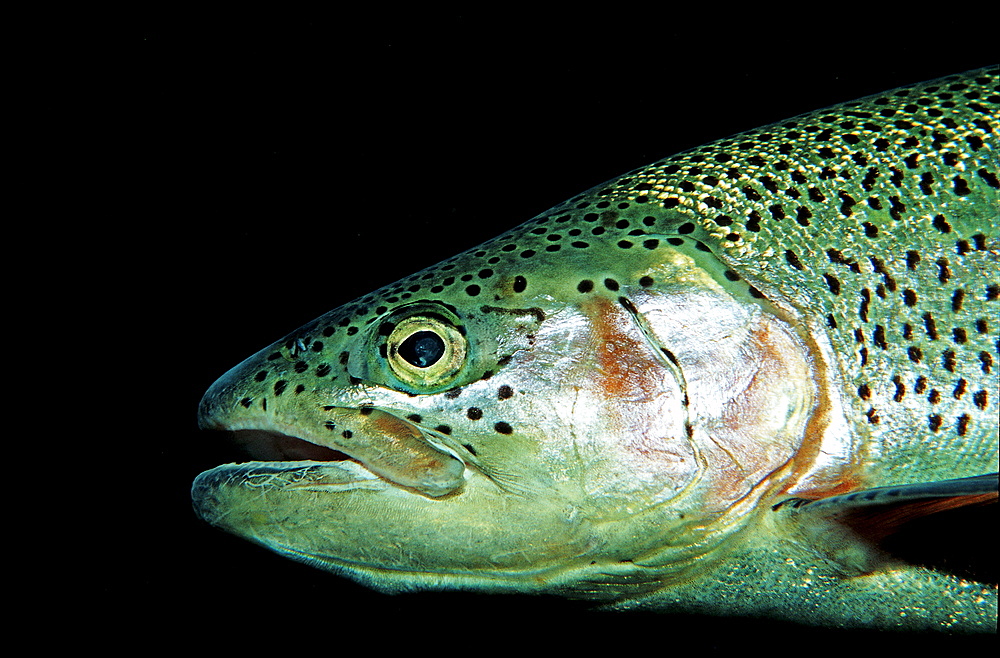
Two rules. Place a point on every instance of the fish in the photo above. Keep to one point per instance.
(731, 382)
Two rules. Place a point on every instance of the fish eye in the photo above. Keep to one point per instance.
(422, 349)
(425, 351)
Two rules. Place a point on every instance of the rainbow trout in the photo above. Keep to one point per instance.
(724, 383)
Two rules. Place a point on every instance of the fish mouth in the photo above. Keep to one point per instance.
(374, 440)
(270, 446)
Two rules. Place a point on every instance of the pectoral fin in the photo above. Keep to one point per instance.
(941, 525)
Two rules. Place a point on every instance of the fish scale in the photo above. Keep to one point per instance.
(638, 377)
(908, 172)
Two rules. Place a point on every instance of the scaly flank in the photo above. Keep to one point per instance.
(724, 383)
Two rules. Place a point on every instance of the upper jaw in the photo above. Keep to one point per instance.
(390, 447)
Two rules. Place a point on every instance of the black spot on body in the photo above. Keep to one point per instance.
(941, 224)
(793, 259)
(981, 399)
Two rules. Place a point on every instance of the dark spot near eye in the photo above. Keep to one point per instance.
(611, 284)
(503, 428)
(646, 281)
(504, 392)
(347, 434)
(585, 286)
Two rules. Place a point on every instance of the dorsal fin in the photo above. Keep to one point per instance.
(935, 524)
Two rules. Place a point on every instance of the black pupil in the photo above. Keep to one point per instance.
(422, 349)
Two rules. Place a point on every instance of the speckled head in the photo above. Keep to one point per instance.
(597, 400)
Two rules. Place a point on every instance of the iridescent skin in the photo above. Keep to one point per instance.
(636, 377)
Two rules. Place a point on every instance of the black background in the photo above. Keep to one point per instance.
(281, 164)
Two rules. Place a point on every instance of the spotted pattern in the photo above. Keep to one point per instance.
(867, 215)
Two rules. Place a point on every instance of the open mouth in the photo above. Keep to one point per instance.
(263, 445)
(394, 449)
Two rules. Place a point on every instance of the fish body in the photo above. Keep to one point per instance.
(715, 384)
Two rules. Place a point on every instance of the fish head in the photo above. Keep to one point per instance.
(515, 420)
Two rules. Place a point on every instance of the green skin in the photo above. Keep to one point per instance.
(631, 381)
